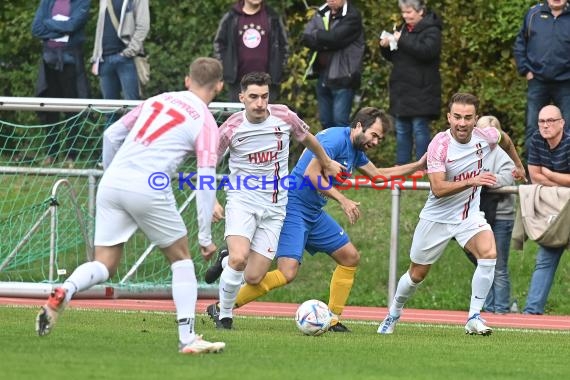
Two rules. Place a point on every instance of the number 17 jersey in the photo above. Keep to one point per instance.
(162, 132)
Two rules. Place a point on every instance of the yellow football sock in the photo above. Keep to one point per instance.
(341, 284)
(248, 293)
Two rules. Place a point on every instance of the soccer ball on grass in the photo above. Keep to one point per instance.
(313, 317)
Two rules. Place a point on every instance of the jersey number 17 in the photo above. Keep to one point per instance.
(176, 118)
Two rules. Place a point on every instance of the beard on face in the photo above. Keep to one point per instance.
(360, 142)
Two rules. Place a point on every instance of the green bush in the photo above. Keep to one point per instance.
(477, 54)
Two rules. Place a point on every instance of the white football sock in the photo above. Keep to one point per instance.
(406, 288)
(184, 294)
(84, 277)
(481, 284)
(230, 283)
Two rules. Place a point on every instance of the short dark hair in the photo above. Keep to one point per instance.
(464, 98)
(206, 72)
(256, 77)
(368, 115)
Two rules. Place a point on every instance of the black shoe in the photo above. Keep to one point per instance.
(215, 271)
(339, 327)
(225, 323)
(213, 311)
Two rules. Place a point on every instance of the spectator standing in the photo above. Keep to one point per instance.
(116, 46)
(548, 165)
(541, 53)
(251, 37)
(60, 24)
(336, 36)
(415, 81)
(499, 212)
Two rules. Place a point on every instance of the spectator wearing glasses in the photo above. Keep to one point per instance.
(541, 53)
(548, 165)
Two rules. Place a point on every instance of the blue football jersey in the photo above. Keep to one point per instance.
(303, 196)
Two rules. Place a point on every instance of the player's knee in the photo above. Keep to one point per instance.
(253, 279)
(488, 255)
(289, 273)
(416, 279)
(112, 270)
(349, 258)
(237, 261)
(418, 274)
(353, 260)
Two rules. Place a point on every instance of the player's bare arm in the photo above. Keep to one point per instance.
(330, 167)
(507, 144)
(321, 183)
(441, 187)
(371, 171)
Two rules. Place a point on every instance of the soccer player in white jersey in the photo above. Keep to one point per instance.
(139, 151)
(258, 139)
(457, 168)
(308, 227)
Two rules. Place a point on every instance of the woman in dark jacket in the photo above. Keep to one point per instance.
(415, 82)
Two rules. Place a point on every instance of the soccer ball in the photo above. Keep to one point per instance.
(313, 317)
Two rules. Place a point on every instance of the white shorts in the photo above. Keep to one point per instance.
(261, 226)
(120, 212)
(431, 238)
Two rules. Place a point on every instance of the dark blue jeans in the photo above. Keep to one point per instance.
(547, 260)
(61, 84)
(540, 94)
(335, 105)
(408, 129)
(499, 297)
(117, 74)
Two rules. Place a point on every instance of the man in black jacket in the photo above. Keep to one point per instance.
(336, 37)
(251, 37)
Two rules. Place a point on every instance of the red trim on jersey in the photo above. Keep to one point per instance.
(479, 149)
(278, 136)
(467, 204)
(276, 187)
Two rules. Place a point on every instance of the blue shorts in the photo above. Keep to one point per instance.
(320, 234)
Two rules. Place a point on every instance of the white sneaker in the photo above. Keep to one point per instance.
(201, 346)
(476, 326)
(388, 324)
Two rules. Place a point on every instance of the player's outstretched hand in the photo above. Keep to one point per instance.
(208, 252)
(351, 209)
(519, 174)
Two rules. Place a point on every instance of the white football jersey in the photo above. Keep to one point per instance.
(162, 131)
(259, 155)
(458, 162)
